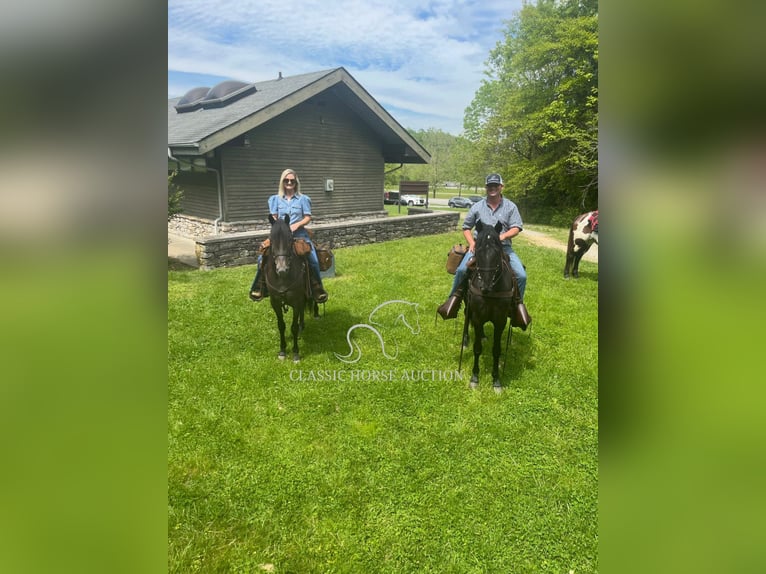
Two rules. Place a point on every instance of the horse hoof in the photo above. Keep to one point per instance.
(474, 384)
(281, 356)
(498, 389)
(296, 358)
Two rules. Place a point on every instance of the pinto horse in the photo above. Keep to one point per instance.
(489, 297)
(287, 282)
(582, 234)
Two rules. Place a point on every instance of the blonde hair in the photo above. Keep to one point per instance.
(285, 173)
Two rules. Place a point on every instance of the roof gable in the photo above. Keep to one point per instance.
(202, 130)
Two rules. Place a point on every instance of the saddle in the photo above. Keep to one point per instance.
(593, 220)
(301, 247)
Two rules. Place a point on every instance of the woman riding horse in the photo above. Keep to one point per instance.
(290, 201)
(285, 275)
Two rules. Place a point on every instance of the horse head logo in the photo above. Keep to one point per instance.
(380, 322)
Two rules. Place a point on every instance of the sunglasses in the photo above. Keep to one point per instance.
(289, 181)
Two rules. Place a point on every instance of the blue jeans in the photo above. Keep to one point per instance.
(516, 266)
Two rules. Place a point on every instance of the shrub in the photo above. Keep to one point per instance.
(175, 193)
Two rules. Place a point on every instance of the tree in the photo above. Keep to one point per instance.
(535, 118)
(443, 167)
(175, 193)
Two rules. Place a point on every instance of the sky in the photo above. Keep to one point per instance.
(423, 61)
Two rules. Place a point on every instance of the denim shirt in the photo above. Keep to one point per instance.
(298, 207)
(506, 213)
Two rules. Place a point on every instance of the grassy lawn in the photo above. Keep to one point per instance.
(383, 465)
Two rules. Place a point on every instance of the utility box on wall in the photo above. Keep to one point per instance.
(329, 184)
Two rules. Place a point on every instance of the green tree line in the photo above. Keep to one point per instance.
(534, 119)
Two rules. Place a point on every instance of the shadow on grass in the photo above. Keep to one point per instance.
(515, 355)
(587, 276)
(176, 265)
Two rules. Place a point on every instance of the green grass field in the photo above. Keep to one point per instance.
(383, 465)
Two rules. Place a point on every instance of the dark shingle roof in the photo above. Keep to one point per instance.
(202, 130)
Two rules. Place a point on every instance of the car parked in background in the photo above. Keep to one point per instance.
(390, 197)
(459, 202)
(412, 200)
(475, 198)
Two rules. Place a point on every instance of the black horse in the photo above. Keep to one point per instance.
(287, 282)
(489, 298)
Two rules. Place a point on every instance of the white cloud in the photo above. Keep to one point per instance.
(424, 58)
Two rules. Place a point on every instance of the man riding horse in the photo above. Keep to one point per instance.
(492, 209)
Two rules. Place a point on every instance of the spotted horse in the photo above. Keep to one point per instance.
(582, 234)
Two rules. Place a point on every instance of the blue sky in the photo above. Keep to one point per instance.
(422, 61)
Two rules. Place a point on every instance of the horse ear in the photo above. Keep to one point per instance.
(271, 219)
(498, 227)
(479, 225)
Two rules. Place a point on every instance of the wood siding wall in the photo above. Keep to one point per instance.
(200, 197)
(320, 139)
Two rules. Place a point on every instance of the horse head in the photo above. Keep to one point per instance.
(281, 238)
(489, 256)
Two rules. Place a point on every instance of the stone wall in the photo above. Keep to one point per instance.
(195, 227)
(233, 249)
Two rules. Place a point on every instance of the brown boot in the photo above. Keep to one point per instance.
(451, 307)
(520, 317)
(259, 291)
(320, 295)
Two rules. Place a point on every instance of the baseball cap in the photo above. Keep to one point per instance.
(494, 178)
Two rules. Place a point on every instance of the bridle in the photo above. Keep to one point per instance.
(497, 273)
(482, 273)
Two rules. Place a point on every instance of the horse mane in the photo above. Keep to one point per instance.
(281, 237)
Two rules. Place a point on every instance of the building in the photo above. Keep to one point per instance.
(231, 142)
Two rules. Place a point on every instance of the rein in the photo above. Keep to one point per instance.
(497, 271)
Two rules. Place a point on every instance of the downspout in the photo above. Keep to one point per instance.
(385, 173)
(220, 199)
(218, 185)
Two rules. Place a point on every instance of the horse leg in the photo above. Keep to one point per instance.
(466, 338)
(478, 335)
(496, 348)
(281, 325)
(296, 329)
(577, 257)
(568, 265)
(570, 253)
